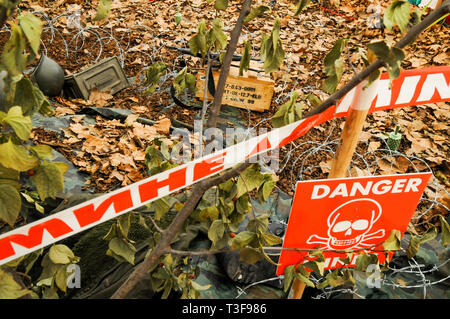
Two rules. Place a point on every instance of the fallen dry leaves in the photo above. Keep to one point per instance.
(110, 151)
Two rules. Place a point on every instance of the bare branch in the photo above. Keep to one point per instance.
(159, 229)
(217, 102)
(196, 253)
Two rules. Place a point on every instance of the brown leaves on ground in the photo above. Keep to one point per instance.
(99, 98)
(110, 151)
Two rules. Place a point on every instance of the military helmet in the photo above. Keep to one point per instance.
(49, 76)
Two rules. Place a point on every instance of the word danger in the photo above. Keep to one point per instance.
(357, 189)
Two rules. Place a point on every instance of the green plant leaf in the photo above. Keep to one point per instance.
(250, 255)
(184, 80)
(334, 66)
(178, 17)
(216, 231)
(375, 74)
(10, 203)
(16, 157)
(44, 106)
(243, 239)
(255, 13)
(335, 279)
(25, 96)
(198, 43)
(112, 232)
(32, 28)
(267, 189)
(271, 49)
(42, 151)
(13, 58)
(249, 179)
(397, 13)
(269, 239)
(392, 56)
(316, 265)
(221, 4)
(9, 288)
(103, 10)
(124, 224)
(393, 242)
(153, 75)
(313, 100)
(61, 276)
(61, 254)
(303, 275)
(21, 124)
(416, 241)
(243, 205)
(161, 207)
(300, 6)
(288, 112)
(123, 249)
(245, 60)
(430, 234)
(197, 286)
(9, 176)
(216, 39)
(413, 246)
(259, 224)
(211, 213)
(364, 260)
(289, 273)
(49, 179)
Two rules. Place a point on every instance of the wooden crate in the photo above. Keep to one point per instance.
(253, 93)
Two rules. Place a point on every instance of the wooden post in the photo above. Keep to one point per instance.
(354, 123)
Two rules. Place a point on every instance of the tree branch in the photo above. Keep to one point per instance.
(169, 234)
(217, 102)
(409, 38)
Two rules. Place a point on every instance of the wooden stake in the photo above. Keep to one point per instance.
(298, 287)
(354, 123)
(349, 139)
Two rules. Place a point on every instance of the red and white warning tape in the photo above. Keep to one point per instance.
(413, 87)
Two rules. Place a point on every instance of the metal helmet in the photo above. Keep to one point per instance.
(49, 76)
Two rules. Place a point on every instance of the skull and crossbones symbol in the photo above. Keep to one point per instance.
(349, 226)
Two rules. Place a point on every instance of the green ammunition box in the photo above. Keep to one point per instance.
(103, 76)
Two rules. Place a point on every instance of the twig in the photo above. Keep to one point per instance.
(217, 102)
(195, 253)
(159, 229)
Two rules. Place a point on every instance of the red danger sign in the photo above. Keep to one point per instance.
(349, 214)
